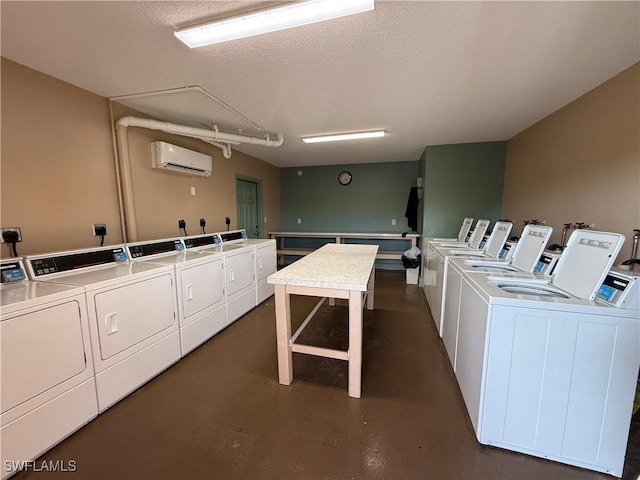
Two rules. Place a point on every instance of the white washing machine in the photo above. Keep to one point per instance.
(133, 322)
(200, 287)
(550, 369)
(47, 387)
(438, 255)
(526, 253)
(491, 248)
(463, 233)
(434, 261)
(477, 235)
(533, 242)
(265, 250)
(428, 257)
(239, 268)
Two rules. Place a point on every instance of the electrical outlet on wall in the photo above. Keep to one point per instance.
(393, 221)
(99, 229)
(299, 221)
(10, 232)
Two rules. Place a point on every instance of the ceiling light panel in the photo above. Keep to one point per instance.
(271, 20)
(344, 136)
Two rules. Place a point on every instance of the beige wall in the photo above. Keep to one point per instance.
(582, 163)
(58, 171)
(161, 197)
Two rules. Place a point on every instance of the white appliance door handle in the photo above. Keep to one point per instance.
(232, 275)
(111, 322)
(259, 264)
(189, 292)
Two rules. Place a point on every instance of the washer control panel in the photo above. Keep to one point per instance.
(12, 271)
(546, 263)
(619, 290)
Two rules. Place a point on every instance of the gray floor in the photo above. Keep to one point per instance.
(221, 414)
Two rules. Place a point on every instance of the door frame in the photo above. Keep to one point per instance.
(259, 201)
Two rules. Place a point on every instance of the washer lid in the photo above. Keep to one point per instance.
(501, 231)
(585, 262)
(531, 245)
(464, 229)
(478, 233)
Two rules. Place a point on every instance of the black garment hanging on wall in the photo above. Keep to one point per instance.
(412, 209)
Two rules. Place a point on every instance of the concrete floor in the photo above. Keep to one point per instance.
(221, 414)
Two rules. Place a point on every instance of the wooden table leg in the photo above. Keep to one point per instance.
(283, 334)
(355, 343)
(370, 288)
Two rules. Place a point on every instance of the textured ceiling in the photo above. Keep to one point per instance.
(428, 72)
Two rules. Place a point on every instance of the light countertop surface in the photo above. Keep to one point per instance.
(340, 266)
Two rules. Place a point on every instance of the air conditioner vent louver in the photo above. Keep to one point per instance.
(181, 160)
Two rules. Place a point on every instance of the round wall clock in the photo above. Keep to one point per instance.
(344, 178)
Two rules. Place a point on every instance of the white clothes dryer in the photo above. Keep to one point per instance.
(239, 268)
(133, 322)
(200, 287)
(47, 385)
(265, 250)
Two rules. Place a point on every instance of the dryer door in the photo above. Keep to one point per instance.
(240, 272)
(129, 314)
(201, 286)
(40, 350)
(265, 261)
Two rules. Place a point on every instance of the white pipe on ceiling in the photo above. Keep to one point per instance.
(221, 140)
(214, 137)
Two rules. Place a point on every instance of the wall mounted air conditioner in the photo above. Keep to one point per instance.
(178, 159)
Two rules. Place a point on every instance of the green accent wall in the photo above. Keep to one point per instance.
(461, 180)
(377, 193)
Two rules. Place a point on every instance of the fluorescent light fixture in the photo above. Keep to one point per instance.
(344, 136)
(271, 20)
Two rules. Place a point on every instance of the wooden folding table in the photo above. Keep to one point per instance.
(333, 271)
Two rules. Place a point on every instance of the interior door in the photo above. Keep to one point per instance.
(247, 203)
